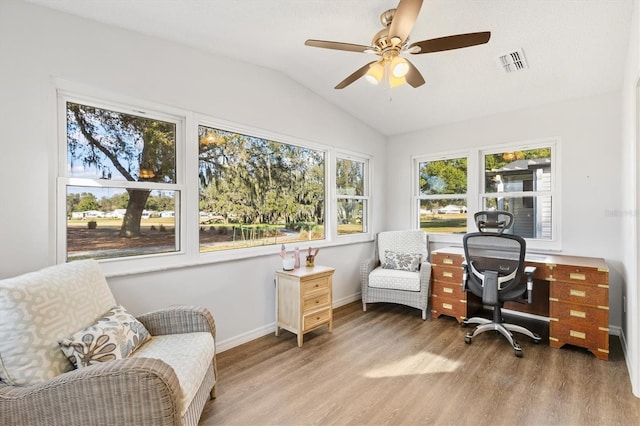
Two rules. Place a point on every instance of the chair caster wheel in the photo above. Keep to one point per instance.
(518, 353)
(464, 324)
(536, 339)
(467, 340)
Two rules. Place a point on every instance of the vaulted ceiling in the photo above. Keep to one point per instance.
(574, 48)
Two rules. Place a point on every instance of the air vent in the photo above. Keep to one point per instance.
(514, 61)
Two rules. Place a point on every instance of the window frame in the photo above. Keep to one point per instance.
(187, 214)
(366, 197)
(439, 237)
(64, 180)
(552, 244)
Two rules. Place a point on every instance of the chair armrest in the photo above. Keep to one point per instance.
(425, 275)
(179, 319)
(366, 267)
(128, 391)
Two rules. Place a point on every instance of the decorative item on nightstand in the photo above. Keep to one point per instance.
(311, 258)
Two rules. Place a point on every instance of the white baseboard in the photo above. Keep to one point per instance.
(270, 328)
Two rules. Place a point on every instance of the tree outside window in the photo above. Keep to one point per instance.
(121, 187)
(352, 196)
(256, 192)
(442, 195)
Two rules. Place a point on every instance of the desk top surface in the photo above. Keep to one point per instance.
(546, 259)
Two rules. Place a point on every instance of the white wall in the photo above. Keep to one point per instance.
(589, 132)
(39, 46)
(630, 185)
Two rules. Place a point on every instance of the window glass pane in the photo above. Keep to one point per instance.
(518, 171)
(532, 215)
(351, 216)
(255, 191)
(444, 215)
(103, 144)
(443, 176)
(349, 177)
(108, 222)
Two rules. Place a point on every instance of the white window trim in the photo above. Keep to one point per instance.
(186, 182)
(553, 143)
(437, 237)
(367, 235)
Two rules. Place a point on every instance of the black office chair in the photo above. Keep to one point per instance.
(493, 269)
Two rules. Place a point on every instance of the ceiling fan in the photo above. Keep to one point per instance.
(392, 41)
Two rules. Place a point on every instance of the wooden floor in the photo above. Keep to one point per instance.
(388, 367)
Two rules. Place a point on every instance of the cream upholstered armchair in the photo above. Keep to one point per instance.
(156, 369)
(399, 272)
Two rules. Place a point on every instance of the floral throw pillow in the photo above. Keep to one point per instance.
(402, 261)
(114, 336)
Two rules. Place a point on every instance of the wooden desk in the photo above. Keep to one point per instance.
(571, 291)
(304, 300)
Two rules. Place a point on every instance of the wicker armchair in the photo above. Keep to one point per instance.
(399, 272)
(138, 390)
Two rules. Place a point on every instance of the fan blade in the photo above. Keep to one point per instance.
(337, 45)
(356, 75)
(451, 42)
(413, 76)
(404, 18)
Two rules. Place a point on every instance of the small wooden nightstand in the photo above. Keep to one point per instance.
(304, 300)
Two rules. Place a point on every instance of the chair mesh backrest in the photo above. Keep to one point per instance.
(411, 241)
(501, 253)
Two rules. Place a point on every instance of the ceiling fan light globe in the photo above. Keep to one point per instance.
(374, 74)
(399, 67)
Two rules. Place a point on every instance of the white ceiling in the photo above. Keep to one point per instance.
(575, 48)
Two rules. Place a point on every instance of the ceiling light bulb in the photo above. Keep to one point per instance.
(374, 74)
(399, 67)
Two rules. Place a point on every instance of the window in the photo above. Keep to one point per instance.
(520, 181)
(120, 181)
(441, 200)
(352, 195)
(257, 192)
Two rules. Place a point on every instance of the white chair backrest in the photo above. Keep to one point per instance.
(410, 241)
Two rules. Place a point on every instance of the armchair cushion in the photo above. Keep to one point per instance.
(401, 261)
(38, 308)
(189, 354)
(115, 335)
(394, 279)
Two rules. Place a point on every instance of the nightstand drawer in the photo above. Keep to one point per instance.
(314, 285)
(581, 293)
(317, 300)
(450, 306)
(315, 319)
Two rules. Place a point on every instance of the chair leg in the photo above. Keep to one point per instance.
(424, 314)
(364, 307)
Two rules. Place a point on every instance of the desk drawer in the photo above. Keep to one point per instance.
(585, 317)
(448, 274)
(316, 300)
(595, 340)
(581, 293)
(448, 289)
(579, 275)
(315, 319)
(450, 306)
(445, 259)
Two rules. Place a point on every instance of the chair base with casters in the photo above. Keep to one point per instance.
(503, 328)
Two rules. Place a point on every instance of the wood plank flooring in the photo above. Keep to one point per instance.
(388, 367)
